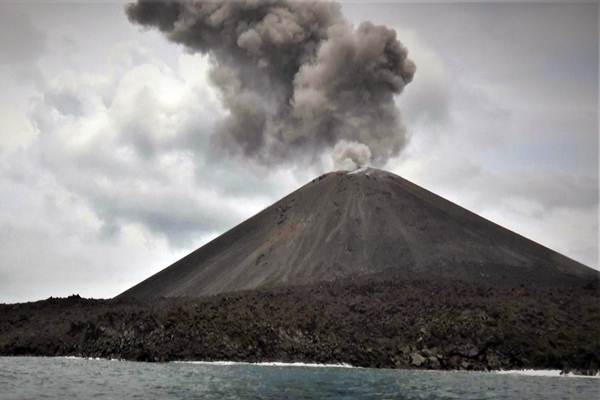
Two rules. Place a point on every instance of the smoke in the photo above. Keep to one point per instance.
(350, 155)
(295, 77)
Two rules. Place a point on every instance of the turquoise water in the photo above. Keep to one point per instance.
(61, 378)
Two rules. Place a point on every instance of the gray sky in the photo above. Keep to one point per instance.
(106, 177)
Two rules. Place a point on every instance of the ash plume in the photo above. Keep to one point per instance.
(295, 77)
(350, 155)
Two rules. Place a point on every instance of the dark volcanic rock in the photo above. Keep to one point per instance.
(374, 322)
(350, 224)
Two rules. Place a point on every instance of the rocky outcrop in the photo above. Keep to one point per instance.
(375, 322)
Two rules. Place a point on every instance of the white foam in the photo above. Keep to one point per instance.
(522, 372)
(543, 372)
(268, 364)
(89, 358)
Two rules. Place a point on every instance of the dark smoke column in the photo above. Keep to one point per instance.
(296, 77)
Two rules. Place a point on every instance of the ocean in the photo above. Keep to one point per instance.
(76, 378)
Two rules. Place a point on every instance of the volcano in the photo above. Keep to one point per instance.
(347, 225)
(363, 268)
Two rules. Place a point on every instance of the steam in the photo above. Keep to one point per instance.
(295, 77)
(351, 155)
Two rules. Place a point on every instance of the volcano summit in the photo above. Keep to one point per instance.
(352, 224)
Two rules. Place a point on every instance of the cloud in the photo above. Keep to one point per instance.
(350, 155)
(21, 45)
(20, 41)
(427, 99)
(133, 148)
(17, 130)
(107, 191)
(106, 167)
(50, 244)
(281, 69)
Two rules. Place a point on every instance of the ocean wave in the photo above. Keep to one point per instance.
(544, 372)
(522, 372)
(268, 364)
(88, 358)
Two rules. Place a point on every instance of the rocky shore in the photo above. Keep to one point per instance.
(373, 323)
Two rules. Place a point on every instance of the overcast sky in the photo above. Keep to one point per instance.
(106, 177)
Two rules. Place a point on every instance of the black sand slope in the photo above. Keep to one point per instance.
(344, 225)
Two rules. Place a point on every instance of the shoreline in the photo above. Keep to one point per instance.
(410, 325)
(548, 373)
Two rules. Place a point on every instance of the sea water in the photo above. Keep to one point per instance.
(72, 378)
